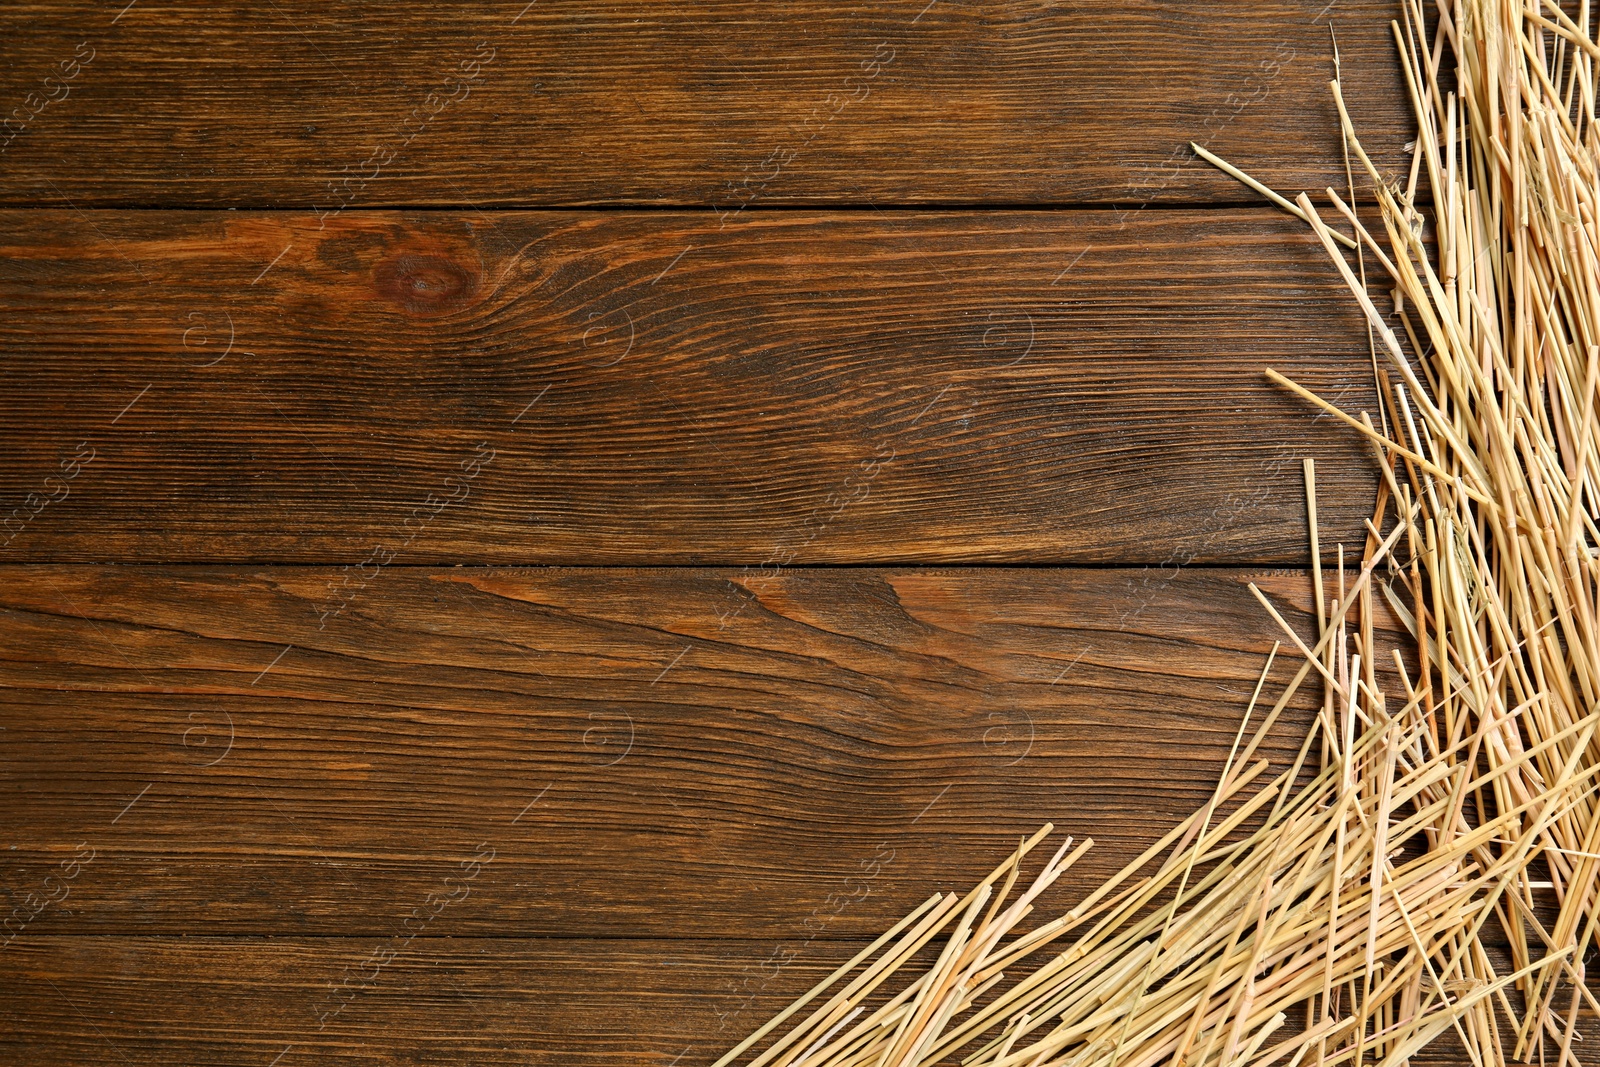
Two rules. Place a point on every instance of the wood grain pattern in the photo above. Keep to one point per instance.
(714, 104)
(444, 1001)
(618, 816)
(614, 388)
(651, 752)
(438, 1001)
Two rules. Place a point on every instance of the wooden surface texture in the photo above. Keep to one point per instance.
(601, 508)
(725, 107)
(139, 1000)
(651, 752)
(626, 388)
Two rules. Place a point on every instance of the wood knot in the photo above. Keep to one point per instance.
(425, 285)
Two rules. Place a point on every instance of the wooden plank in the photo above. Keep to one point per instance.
(459, 1000)
(724, 105)
(605, 388)
(664, 752)
(134, 1000)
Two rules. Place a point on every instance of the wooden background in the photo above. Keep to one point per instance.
(532, 529)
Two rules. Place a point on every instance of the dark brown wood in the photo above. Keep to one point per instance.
(605, 388)
(244, 1001)
(619, 816)
(449, 1001)
(662, 752)
(720, 105)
